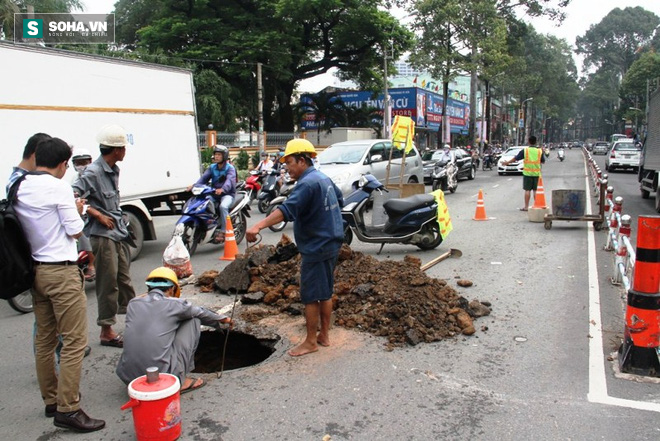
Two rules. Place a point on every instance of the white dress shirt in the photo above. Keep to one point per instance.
(47, 211)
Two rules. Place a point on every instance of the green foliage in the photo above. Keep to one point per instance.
(293, 39)
(255, 159)
(647, 67)
(241, 161)
(615, 40)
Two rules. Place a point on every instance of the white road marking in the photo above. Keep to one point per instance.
(597, 378)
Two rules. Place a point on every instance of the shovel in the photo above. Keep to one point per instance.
(451, 253)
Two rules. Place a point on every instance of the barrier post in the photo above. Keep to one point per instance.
(610, 196)
(622, 251)
(639, 352)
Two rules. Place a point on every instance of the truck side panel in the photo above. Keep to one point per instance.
(71, 96)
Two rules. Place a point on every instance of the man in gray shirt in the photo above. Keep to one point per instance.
(107, 231)
(163, 330)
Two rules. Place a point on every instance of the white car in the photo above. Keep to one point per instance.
(514, 167)
(601, 148)
(623, 154)
(344, 163)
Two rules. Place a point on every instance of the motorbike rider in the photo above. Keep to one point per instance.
(222, 177)
(266, 164)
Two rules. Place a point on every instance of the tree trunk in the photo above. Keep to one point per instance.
(473, 107)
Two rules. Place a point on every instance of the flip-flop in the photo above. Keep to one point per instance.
(199, 382)
(522, 209)
(90, 276)
(117, 342)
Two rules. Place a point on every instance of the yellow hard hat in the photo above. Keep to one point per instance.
(166, 274)
(298, 146)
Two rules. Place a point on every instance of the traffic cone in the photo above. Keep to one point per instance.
(231, 249)
(639, 352)
(539, 197)
(480, 214)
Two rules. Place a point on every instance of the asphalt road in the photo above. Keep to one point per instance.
(537, 368)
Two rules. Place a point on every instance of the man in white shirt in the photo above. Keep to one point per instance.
(51, 219)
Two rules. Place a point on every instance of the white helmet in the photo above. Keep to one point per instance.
(112, 135)
(81, 153)
(446, 146)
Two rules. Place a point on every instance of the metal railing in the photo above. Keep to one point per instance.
(271, 139)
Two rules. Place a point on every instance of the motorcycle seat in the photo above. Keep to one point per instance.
(399, 206)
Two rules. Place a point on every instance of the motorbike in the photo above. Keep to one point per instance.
(199, 220)
(285, 190)
(268, 190)
(560, 154)
(444, 175)
(252, 185)
(23, 302)
(411, 220)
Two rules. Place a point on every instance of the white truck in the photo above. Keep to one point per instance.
(71, 95)
(649, 169)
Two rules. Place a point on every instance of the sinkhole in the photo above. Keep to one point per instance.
(242, 350)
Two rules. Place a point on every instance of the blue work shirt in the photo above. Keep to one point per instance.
(315, 206)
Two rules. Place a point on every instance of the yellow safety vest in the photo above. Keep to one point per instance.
(444, 220)
(403, 133)
(532, 162)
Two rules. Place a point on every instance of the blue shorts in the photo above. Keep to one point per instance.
(317, 280)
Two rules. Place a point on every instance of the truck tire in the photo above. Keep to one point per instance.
(137, 232)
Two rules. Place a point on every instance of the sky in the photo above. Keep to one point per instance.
(580, 15)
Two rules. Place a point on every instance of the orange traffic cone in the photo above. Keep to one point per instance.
(539, 197)
(480, 214)
(231, 249)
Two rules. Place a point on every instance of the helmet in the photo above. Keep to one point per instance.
(81, 154)
(163, 277)
(112, 135)
(299, 146)
(446, 146)
(222, 149)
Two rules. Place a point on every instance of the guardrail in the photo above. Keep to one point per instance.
(618, 227)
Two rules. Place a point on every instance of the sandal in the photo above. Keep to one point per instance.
(90, 275)
(117, 342)
(195, 383)
(522, 209)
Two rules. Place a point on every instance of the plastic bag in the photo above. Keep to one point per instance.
(177, 257)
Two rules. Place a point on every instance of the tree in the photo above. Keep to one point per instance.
(615, 41)
(364, 116)
(10, 7)
(293, 39)
(327, 109)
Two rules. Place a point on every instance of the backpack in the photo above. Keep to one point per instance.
(16, 264)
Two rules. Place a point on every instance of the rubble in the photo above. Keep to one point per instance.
(392, 299)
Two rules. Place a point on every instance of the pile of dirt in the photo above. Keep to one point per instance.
(388, 298)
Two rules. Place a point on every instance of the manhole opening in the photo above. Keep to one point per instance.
(242, 350)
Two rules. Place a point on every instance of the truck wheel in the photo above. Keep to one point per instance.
(22, 302)
(136, 231)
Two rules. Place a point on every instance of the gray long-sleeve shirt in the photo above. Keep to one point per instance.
(152, 321)
(102, 183)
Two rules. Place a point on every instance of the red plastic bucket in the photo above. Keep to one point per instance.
(156, 408)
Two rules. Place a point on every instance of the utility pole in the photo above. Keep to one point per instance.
(386, 98)
(260, 110)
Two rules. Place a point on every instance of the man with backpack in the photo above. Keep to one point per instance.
(27, 163)
(50, 217)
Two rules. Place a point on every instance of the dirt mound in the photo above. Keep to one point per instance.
(388, 298)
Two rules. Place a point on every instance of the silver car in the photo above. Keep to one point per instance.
(344, 163)
(624, 154)
(601, 148)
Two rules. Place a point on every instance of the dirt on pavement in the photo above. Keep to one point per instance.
(392, 299)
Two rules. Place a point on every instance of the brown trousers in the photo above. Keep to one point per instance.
(60, 307)
(113, 278)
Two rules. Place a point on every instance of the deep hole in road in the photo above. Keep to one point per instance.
(243, 350)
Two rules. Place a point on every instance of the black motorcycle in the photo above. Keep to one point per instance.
(268, 190)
